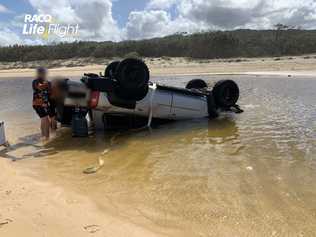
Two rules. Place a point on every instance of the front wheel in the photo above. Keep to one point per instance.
(226, 93)
(197, 84)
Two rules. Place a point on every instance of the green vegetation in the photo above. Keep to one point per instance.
(209, 45)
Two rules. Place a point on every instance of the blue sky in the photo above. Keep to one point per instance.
(122, 8)
(16, 6)
(116, 20)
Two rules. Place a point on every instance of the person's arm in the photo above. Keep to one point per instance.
(39, 86)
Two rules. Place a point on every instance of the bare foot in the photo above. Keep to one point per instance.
(44, 140)
(53, 134)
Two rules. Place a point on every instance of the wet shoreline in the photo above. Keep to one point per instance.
(250, 174)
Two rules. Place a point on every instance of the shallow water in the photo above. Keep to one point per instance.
(252, 174)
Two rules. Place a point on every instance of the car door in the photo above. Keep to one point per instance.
(159, 101)
(188, 106)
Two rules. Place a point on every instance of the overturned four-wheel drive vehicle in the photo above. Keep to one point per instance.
(124, 98)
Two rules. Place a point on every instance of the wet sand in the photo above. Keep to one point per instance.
(240, 175)
(30, 207)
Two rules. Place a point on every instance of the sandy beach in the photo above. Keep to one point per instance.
(30, 207)
(33, 207)
(299, 65)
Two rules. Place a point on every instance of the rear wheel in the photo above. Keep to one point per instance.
(110, 70)
(226, 93)
(132, 76)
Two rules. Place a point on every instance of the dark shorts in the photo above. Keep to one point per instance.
(43, 112)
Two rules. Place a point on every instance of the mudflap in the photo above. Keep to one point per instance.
(235, 109)
(211, 106)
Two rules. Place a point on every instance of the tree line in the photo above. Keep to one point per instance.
(206, 45)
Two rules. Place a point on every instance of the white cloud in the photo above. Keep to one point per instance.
(3, 9)
(158, 23)
(147, 24)
(200, 15)
(161, 4)
(8, 37)
(222, 14)
(231, 14)
(164, 17)
(94, 17)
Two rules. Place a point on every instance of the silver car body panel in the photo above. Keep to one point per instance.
(162, 104)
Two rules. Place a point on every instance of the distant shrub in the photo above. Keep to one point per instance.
(166, 58)
(206, 45)
(132, 55)
(203, 61)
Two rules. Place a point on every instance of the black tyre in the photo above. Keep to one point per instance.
(110, 70)
(196, 84)
(132, 76)
(226, 93)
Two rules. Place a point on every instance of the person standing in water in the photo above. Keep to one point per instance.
(42, 104)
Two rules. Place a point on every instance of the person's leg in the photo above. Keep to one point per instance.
(42, 127)
(47, 127)
(53, 123)
(42, 113)
(52, 116)
(45, 124)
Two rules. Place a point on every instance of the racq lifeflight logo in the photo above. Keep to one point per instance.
(45, 26)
